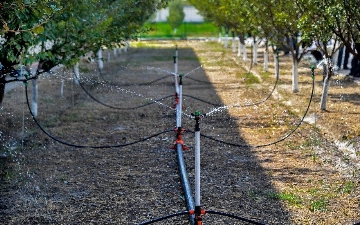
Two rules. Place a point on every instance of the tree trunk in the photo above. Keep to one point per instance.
(239, 49)
(226, 39)
(295, 76)
(324, 94)
(62, 88)
(2, 89)
(76, 74)
(233, 44)
(99, 58)
(241, 43)
(34, 102)
(255, 52)
(115, 53)
(326, 84)
(266, 61)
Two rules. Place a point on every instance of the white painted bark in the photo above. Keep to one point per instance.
(62, 88)
(295, 77)
(244, 53)
(115, 53)
(266, 61)
(233, 45)
(255, 52)
(119, 50)
(76, 74)
(226, 44)
(126, 46)
(325, 91)
(220, 38)
(239, 49)
(109, 57)
(34, 102)
(99, 59)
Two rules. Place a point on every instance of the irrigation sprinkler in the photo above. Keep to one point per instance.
(198, 212)
(179, 105)
(176, 69)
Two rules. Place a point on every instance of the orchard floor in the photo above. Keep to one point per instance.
(253, 169)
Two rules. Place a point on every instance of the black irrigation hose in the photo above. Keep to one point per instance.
(271, 143)
(147, 83)
(122, 108)
(245, 105)
(85, 146)
(234, 217)
(206, 212)
(164, 218)
(265, 99)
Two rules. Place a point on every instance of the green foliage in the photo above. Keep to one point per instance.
(59, 32)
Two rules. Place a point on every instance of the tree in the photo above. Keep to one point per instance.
(59, 32)
(176, 14)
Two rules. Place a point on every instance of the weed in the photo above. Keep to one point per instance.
(347, 187)
(319, 204)
(289, 197)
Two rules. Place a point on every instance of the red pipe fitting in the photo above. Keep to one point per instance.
(179, 133)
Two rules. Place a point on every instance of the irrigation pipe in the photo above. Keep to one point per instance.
(85, 146)
(185, 181)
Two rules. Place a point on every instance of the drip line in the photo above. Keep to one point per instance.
(85, 146)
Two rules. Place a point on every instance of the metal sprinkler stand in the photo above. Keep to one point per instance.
(198, 212)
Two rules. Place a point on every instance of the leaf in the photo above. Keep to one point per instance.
(39, 30)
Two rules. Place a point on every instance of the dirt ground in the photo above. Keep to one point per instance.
(263, 165)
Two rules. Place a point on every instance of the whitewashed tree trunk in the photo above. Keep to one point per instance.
(115, 53)
(76, 74)
(109, 57)
(99, 58)
(244, 53)
(220, 38)
(226, 40)
(255, 52)
(233, 45)
(62, 88)
(325, 91)
(266, 61)
(126, 46)
(34, 102)
(295, 77)
(119, 50)
(239, 49)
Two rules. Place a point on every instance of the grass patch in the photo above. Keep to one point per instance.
(164, 30)
(319, 204)
(289, 197)
(266, 74)
(249, 78)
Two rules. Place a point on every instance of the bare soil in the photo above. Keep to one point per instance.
(254, 170)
